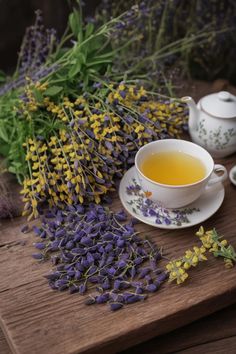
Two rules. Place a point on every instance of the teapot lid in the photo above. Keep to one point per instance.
(219, 105)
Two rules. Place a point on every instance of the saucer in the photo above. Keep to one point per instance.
(136, 202)
(232, 175)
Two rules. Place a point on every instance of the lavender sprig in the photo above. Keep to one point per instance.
(37, 45)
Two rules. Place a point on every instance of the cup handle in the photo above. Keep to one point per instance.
(217, 179)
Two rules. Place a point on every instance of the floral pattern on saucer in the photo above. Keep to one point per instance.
(137, 203)
(149, 208)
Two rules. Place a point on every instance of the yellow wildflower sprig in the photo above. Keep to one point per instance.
(212, 241)
(178, 268)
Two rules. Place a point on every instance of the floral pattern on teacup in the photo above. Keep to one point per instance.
(141, 204)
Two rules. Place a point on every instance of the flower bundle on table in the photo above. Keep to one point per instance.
(96, 141)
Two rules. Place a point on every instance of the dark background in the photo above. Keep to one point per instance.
(16, 15)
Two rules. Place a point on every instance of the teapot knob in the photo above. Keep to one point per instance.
(224, 95)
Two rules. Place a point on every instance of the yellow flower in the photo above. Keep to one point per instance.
(228, 263)
(186, 265)
(200, 232)
(34, 203)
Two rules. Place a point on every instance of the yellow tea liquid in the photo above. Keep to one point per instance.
(173, 167)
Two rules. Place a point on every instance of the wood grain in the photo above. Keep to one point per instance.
(4, 347)
(31, 314)
(222, 346)
(216, 332)
(212, 329)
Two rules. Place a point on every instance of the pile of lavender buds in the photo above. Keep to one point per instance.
(94, 249)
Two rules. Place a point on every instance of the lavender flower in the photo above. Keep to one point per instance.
(37, 45)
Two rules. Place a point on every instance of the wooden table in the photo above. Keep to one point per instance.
(35, 319)
(215, 334)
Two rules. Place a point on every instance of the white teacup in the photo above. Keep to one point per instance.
(177, 196)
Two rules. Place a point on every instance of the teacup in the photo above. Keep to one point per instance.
(177, 196)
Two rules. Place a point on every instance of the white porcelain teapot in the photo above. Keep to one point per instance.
(212, 122)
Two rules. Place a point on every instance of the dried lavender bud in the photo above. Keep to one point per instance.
(73, 289)
(143, 272)
(90, 301)
(121, 216)
(52, 276)
(106, 284)
(148, 279)
(151, 287)
(114, 306)
(25, 229)
(120, 243)
(121, 264)
(133, 272)
(82, 288)
(162, 277)
(103, 298)
(134, 298)
(139, 290)
(39, 245)
(37, 230)
(38, 256)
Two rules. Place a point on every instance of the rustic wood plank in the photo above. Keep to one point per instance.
(220, 325)
(222, 346)
(32, 314)
(216, 327)
(4, 347)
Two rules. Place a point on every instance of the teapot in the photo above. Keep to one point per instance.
(212, 122)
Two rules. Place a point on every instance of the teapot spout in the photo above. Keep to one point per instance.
(193, 113)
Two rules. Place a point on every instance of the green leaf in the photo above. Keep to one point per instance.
(2, 77)
(74, 69)
(94, 44)
(81, 57)
(53, 90)
(77, 64)
(12, 169)
(3, 133)
(4, 149)
(107, 55)
(86, 80)
(89, 30)
(38, 95)
(97, 62)
(103, 92)
(74, 22)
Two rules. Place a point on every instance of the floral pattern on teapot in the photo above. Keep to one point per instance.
(212, 122)
(216, 138)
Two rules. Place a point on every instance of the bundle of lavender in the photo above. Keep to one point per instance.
(70, 123)
(96, 142)
(165, 23)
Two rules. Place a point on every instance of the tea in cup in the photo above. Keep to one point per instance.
(176, 172)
